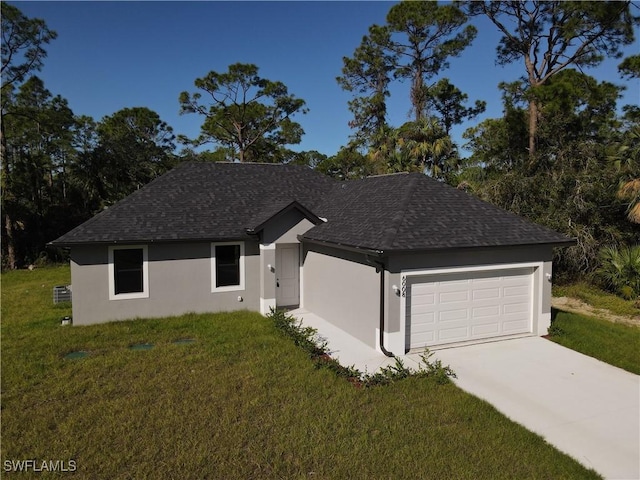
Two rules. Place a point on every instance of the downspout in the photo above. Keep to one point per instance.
(380, 266)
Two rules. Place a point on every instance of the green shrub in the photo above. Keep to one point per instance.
(304, 337)
(307, 339)
(620, 270)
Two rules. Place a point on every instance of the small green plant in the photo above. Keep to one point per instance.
(555, 331)
(627, 292)
(387, 375)
(435, 369)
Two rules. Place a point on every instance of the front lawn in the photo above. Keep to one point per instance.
(240, 401)
(613, 343)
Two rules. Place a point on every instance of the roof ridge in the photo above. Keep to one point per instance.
(277, 164)
(387, 174)
(392, 231)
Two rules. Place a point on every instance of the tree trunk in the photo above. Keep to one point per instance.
(533, 129)
(11, 251)
(418, 94)
(8, 223)
(534, 82)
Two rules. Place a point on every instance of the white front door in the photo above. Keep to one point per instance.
(287, 275)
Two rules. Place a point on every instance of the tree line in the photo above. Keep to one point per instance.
(562, 154)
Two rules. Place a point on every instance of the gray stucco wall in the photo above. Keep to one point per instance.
(179, 282)
(267, 279)
(285, 228)
(470, 257)
(342, 288)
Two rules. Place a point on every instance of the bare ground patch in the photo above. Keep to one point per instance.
(575, 305)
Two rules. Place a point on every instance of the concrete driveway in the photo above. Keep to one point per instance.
(584, 407)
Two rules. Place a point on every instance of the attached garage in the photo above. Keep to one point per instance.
(451, 307)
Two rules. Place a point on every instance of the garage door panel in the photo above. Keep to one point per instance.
(453, 334)
(454, 286)
(454, 315)
(453, 297)
(423, 337)
(446, 308)
(516, 291)
(456, 282)
(424, 323)
(490, 311)
(423, 289)
(422, 310)
(489, 329)
(481, 278)
(423, 299)
(482, 293)
(514, 326)
(522, 307)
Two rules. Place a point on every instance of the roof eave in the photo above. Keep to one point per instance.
(387, 251)
(343, 246)
(551, 244)
(138, 241)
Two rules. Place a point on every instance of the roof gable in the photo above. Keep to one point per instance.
(278, 210)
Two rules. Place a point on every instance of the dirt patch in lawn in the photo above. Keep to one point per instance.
(575, 305)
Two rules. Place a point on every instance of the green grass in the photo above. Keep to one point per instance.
(613, 343)
(597, 298)
(241, 401)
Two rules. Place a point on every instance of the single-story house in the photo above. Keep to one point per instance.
(398, 261)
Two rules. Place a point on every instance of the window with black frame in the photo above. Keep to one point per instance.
(128, 270)
(227, 265)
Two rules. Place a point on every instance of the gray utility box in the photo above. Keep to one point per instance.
(62, 293)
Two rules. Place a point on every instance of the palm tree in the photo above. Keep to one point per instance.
(427, 147)
(627, 161)
(620, 270)
(630, 191)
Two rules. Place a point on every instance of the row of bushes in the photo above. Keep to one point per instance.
(307, 339)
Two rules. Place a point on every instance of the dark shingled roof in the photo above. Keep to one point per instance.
(404, 212)
(221, 201)
(202, 201)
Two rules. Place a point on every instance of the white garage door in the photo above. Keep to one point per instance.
(458, 307)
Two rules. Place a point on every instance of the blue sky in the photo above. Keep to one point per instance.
(113, 55)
